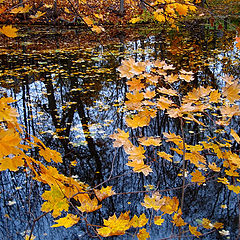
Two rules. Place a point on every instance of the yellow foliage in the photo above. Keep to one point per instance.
(67, 221)
(115, 226)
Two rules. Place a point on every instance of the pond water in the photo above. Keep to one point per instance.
(70, 95)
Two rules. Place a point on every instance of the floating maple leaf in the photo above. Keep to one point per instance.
(115, 226)
(138, 120)
(198, 177)
(155, 202)
(67, 221)
(235, 136)
(104, 192)
(9, 31)
(148, 141)
(143, 234)
(121, 137)
(139, 166)
(139, 221)
(165, 156)
(158, 220)
(11, 163)
(194, 231)
(89, 205)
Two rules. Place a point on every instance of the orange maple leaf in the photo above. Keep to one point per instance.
(139, 221)
(135, 84)
(143, 234)
(155, 202)
(120, 137)
(115, 226)
(139, 166)
(194, 231)
(9, 31)
(104, 192)
(89, 205)
(148, 141)
(198, 177)
(67, 221)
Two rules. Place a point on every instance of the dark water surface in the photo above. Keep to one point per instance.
(70, 95)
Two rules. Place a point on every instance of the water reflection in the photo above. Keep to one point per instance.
(71, 97)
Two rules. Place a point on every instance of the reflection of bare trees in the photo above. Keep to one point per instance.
(73, 77)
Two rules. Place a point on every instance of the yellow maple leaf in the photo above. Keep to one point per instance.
(88, 21)
(67, 221)
(134, 100)
(186, 77)
(135, 85)
(20, 9)
(139, 221)
(37, 15)
(195, 158)
(7, 113)
(233, 188)
(138, 120)
(89, 205)
(158, 220)
(165, 156)
(143, 234)
(167, 91)
(194, 231)
(135, 20)
(231, 92)
(214, 96)
(206, 223)
(235, 136)
(149, 94)
(214, 167)
(170, 205)
(49, 154)
(120, 137)
(155, 202)
(139, 166)
(27, 237)
(182, 9)
(104, 192)
(136, 153)
(115, 226)
(172, 78)
(148, 141)
(198, 177)
(163, 103)
(11, 163)
(55, 201)
(177, 220)
(172, 137)
(9, 31)
(9, 142)
(159, 15)
(97, 29)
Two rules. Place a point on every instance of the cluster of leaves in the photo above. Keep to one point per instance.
(155, 86)
(15, 153)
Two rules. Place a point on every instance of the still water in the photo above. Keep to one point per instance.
(70, 95)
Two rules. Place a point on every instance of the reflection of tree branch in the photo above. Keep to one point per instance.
(34, 222)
